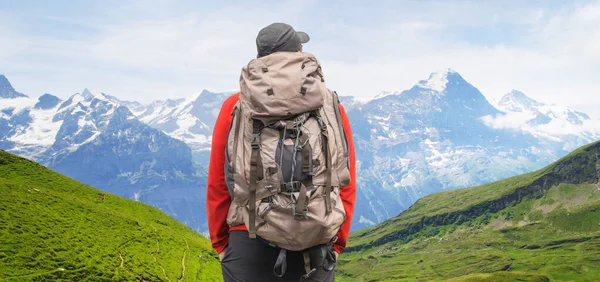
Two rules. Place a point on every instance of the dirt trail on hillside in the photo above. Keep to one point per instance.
(158, 251)
(187, 248)
(156, 261)
(122, 260)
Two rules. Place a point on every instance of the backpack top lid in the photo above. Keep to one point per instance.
(282, 85)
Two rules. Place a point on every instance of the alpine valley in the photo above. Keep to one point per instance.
(441, 134)
(540, 226)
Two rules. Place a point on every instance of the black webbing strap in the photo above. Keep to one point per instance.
(308, 183)
(325, 146)
(327, 173)
(255, 167)
(301, 207)
(305, 151)
(295, 186)
(280, 264)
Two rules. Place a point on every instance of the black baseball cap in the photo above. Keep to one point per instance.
(279, 37)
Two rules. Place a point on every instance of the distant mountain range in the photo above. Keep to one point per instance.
(443, 134)
(440, 134)
(97, 140)
(189, 120)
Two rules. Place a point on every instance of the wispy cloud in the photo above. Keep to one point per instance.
(556, 128)
(144, 50)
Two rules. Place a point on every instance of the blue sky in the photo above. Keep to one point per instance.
(155, 49)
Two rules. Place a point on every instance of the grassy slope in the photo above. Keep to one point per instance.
(553, 234)
(55, 228)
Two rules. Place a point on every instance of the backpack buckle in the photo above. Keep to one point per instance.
(270, 189)
(307, 275)
(292, 186)
(333, 240)
(300, 215)
(257, 126)
(255, 140)
(321, 123)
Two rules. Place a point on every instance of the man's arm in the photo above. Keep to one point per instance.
(347, 193)
(217, 195)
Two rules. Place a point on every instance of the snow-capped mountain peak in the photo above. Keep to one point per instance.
(190, 120)
(540, 119)
(517, 101)
(72, 101)
(89, 95)
(135, 107)
(438, 80)
(48, 126)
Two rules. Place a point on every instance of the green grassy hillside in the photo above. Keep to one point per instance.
(541, 226)
(55, 228)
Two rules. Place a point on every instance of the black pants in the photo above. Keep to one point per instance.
(252, 260)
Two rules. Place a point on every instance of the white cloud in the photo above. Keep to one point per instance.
(155, 50)
(558, 63)
(555, 128)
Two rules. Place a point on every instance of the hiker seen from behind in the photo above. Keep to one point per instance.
(282, 180)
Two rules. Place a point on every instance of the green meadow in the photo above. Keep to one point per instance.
(53, 228)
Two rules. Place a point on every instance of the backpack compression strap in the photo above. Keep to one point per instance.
(325, 146)
(255, 170)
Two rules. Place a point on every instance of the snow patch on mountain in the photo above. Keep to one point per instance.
(437, 81)
(190, 120)
(41, 131)
(77, 98)
(435, 158)
(385, 94)
(48, 127)
(158, 112)
(174, 117)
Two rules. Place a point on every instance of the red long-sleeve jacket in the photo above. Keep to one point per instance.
(217, 195)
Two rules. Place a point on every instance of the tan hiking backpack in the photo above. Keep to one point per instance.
(287, 153)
